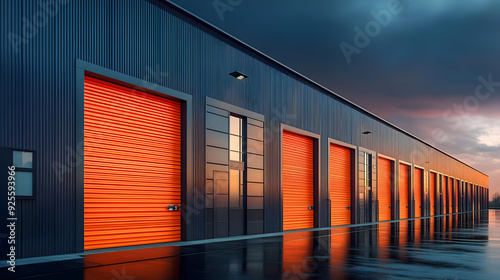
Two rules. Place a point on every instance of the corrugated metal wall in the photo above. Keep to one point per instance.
(154, 42)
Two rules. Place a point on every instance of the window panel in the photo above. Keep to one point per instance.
(235, 125)
(234, 191)
(24, 183)
(235, 143)
(23, 159)
(236, 156)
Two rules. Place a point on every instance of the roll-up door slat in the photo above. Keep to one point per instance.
(340, 185)
(132, 166)
(298, 181)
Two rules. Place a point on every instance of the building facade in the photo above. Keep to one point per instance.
(134, 122)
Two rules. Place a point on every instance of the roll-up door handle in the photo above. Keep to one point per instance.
(310, 207)
(173, 208)
(348, 207)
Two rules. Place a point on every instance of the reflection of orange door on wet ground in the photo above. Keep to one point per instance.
(384, 240)
(418, 192)
(384, 189)
(403, 191)
(432, 222)
(341, 240)
(168, 268)
(340, 185)
(298, 181)
(403, 232)
(297, 251)
(403, 238)
(418, 230)
(432, 190)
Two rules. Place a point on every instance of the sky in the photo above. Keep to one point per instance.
(431, 67)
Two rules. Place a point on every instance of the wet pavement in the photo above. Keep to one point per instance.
(460, 246)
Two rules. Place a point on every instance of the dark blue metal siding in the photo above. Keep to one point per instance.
(37, 110)
(154, 42)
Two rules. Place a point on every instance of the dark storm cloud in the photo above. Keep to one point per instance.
(432, 45)
(420, 67)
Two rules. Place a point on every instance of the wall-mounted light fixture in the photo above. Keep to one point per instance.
(238, 75)
(366, 132)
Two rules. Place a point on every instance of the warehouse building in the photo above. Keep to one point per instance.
(135, 122)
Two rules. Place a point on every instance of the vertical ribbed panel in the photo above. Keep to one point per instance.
(403, 191)
(298, 181)
(340, 185)
(384, 189)
(432, 192)
(132, 166)
(418, 192)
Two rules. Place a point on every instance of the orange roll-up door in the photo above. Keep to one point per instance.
(298, 181)
(418, 192)
(384, 189)
(132, 166)
(403, 191)
(450, 196)
(432, 190)
(457, 202)
(340, 185)
(444, 182)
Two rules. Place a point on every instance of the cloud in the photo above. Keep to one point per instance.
(422, 65)
(476, 141)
